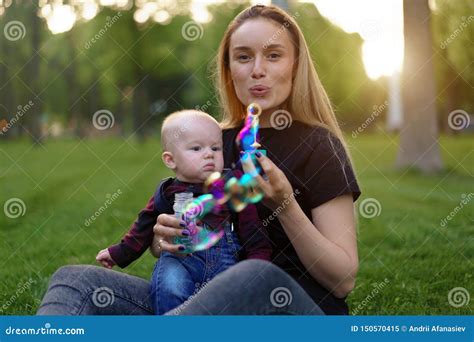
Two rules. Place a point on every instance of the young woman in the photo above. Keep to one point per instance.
(309, 190)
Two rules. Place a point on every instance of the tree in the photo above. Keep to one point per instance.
(453, 31)
(419, 136)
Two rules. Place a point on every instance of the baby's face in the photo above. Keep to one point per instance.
(198, 152)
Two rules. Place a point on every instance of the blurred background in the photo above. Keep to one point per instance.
(85, 84)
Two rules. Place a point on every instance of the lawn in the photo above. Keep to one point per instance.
(409, 260)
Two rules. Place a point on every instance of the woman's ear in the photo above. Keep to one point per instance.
(168, 159)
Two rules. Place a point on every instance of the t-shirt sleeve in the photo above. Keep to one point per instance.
(328, 171)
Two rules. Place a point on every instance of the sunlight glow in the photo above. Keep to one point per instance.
(107, 2)
(379, 23)
(60, 18)
(141, 16)
(90, 10)
(200, 13)
(162, 17)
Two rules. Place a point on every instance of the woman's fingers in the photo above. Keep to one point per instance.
(166, 229)
(168, 232)
(263, 184)
(170, 247)
(267, 165)
(168, 226)
(168, 220)
(269, 168)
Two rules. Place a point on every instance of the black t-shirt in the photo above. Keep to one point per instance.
(315, 163)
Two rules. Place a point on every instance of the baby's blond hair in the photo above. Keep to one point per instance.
(177, 123)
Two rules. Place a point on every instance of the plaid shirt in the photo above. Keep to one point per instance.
(252, 235)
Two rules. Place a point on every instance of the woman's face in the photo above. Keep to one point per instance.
(262, 58)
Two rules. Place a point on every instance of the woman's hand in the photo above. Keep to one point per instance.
(104, 258)
(277, 188)
(167, 227)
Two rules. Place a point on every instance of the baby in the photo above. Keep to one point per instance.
(192, 148)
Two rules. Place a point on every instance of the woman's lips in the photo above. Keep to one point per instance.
(259, 90)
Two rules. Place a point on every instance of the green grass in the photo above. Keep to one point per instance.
(64, 182)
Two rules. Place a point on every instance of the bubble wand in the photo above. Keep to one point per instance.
(247, 141)
(237, 193)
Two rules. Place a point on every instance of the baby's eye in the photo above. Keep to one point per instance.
(216, 148)
(196, 148)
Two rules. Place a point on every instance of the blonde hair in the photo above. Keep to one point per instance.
(308, 101)
(172, 129)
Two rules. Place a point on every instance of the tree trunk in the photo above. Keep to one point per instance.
(5, 91)
(419, 136)
(34, 115)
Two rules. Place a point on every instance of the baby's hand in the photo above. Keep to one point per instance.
(104, 258)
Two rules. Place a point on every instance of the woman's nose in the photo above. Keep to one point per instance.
(258, 70)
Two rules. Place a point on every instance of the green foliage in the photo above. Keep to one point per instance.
(453, 35)
(338, 60)
(114, 63)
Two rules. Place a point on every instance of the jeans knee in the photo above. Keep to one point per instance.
(75, 276)
(256, 273)
(63, 275)
(262, 268)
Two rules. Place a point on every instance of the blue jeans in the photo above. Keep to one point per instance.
(251, 287)
(177, 278)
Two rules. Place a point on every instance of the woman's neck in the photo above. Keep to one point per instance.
(265, 120)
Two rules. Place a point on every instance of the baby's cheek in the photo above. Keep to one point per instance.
(220, 160)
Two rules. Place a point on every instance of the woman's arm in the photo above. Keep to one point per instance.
(327, 246)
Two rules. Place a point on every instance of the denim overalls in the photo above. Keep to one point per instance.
(177, 278)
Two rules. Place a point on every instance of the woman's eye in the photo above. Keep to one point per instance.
(243, 58)
(274, 55)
